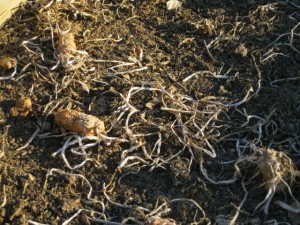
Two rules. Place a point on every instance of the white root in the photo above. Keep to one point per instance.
(14, 73)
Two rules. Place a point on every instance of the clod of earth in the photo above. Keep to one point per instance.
(75, 121)
(7, 62)
(22, 108)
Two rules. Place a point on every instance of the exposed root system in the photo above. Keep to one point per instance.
(150, 112)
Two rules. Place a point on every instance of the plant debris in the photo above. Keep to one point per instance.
(75, 121)
(277, 169)
(69, 56)
(22, 108)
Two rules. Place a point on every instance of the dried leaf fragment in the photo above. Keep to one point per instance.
(75, 121)
(156, 220)
(22, 108)
(174, 4)
(7, 62)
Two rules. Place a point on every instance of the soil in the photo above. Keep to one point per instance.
(189, 98)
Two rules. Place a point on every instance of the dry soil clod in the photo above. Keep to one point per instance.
(7, 62)
(22, 108)
(75, 121)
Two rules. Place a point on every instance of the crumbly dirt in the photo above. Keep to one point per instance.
(184, 94)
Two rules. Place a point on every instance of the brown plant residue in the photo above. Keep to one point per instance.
(66, 44)
(276, 168)
(69, 57)
(75, 121)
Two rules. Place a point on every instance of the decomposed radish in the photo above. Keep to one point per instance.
(66, 44)
(76, 121)
(70, 58)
